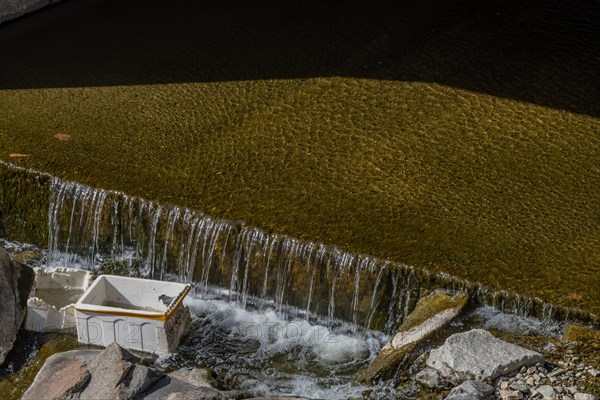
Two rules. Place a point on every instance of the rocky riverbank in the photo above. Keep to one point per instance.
(440, 351)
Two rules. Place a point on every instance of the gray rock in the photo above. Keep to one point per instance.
(477, 354)
(280, 398)
(585, 396)
(205, 394)
(594, 372)
(476, 389)
(432, 313)
(194, 376)
(430, 378)
(117, 375)
(165, 387)
(16, 281)
(547, 392)
(62, 375)
(139, 379)
(462, 396)
(556, 372)
(519, 387)
(510, 395)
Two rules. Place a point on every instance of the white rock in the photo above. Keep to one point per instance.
(477, 389)
(594, 372)
(477, 354)
(585, 396)
(547, 392)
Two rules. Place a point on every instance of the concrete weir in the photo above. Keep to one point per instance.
(85, 225)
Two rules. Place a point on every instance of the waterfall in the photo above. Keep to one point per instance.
(278, 271)
(92, 224)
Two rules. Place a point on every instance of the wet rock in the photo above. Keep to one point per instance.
(431, 379)
(16, 281)
(61, 375)
(197, 377)
(477, 354)
(547, 392)
(477, 389)
(431, 313)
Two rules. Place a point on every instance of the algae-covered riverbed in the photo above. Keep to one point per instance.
(456, 136)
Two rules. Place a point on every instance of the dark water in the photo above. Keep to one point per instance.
(452, 135)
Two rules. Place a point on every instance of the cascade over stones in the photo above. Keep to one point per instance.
(431, 314)
(16, 281)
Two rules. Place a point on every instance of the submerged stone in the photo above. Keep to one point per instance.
(477, 354)
(431, 313)
(579, 333)
(16, 281)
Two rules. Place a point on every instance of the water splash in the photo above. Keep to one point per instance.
(86, 225)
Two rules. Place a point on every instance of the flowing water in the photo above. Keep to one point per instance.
(271, 314)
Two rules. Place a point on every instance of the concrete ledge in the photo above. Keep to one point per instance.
(11, 9)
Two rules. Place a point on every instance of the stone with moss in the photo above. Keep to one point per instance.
(431, 314)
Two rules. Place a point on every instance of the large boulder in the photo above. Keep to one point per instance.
(477, 354)
(431, 313)
(111, 374)
(62, 375)
(117, 374)
(16, 281)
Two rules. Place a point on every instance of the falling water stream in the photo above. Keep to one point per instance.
(267, 298)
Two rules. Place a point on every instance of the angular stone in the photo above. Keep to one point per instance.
(431, 313)
(61, 375)
(477, 389)
(197, 377)
(138, 380)
(477, 354)
(430, 378)
(462, 396)
(510, 395)
(16, 281)
(547, 392)
(107, 371)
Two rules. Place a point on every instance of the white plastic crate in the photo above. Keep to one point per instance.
(51, 306)
(138, 314)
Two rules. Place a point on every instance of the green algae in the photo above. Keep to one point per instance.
(24, 206)
(579, 333)
(14, 385)
(482, 186)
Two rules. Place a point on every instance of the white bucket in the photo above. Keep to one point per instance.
(51, 306)
(138, 314)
